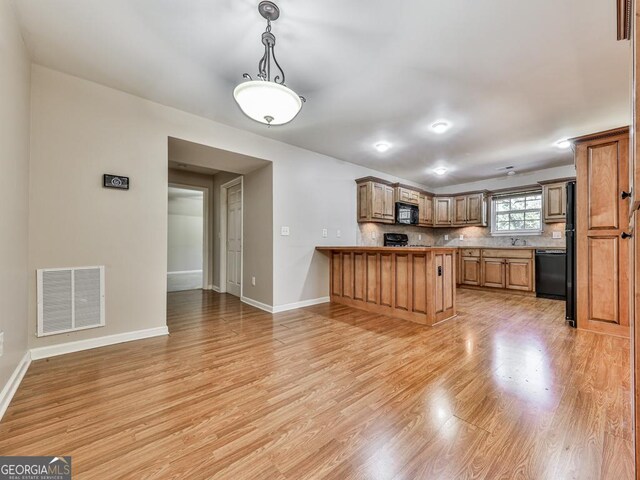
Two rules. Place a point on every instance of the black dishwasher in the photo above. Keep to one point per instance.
(551, 281)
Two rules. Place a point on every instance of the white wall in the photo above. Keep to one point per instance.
(185, 240)
(186, 233)
(81, 130)
(14, 165)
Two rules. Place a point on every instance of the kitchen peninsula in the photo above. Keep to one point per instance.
(412, 283)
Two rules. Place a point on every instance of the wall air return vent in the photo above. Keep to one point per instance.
(70, 299)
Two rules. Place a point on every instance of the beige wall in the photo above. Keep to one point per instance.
(14, 165)
(81, 130)
(258, 235)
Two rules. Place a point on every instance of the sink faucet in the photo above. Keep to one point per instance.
(514, 241)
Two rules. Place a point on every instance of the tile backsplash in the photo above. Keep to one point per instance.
(366, 230)
(473, 236)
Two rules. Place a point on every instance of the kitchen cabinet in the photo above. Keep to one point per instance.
(554, 202)
(442, 215)
(460, 210)
(519, 274)
(477, 209)
(470, 210)
(493, 272)
(510, 269)
(425, 209)
(407, 195)
(602, 228)
(470, 271)
(375, 202)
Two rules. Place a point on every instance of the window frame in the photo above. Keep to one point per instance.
(515, 233)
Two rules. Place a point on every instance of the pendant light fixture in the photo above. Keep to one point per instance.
(265, 100)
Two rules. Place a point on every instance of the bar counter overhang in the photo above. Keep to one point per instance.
(412, 283)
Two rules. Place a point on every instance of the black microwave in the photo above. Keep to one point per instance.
(407, 214)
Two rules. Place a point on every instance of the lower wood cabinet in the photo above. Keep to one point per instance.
(493, 272)
(470, 271)
(519, 274)
(498, 268)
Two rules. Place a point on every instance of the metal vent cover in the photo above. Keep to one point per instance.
(70, 299)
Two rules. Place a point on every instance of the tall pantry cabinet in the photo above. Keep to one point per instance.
(602, 231)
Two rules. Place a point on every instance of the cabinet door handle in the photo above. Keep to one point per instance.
(626, 235)
(625, 195)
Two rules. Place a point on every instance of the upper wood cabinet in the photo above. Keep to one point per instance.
(554, 201)
(460, 210)
(442, 212)
(407, 195)
(602, 167)
(470, 210)
(425, 209)
(375, 202)
(477, 209)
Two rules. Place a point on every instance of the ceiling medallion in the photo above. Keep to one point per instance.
(265, 100)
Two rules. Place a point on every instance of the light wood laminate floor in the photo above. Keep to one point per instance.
(505, 390)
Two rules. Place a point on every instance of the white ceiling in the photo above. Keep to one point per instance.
(512, 76)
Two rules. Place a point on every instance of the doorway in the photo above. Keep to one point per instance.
(187, 257)
(231, 202)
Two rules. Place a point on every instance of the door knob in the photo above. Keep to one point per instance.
(625, 195)
(626, 235)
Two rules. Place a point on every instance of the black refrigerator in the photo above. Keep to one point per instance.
(570, 235)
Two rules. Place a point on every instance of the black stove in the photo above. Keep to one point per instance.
(396, 240)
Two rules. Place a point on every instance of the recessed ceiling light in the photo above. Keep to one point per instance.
(382, 146)
(511, 173)
(440, 126)
(440, 170)
(564, 143)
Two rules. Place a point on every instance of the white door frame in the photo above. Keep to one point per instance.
(205, 230)
(223, 233)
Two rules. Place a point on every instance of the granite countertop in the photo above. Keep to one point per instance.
(346, 248)
(509, 247)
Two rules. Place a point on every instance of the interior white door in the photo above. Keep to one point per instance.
(234, 239)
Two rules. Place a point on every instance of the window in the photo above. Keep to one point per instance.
(517, 214)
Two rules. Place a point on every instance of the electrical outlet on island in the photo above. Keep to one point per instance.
(446, 237)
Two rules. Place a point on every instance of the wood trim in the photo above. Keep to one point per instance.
(557, 180)
(623, 19)
(600, 135)
(374, 179)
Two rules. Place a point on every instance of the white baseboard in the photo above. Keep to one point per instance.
(70, 347)
(12, 385)
(302, 304)
(285, 307)
(257, 304)
(215, 288)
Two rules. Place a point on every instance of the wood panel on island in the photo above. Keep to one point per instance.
(412, 283)
(377, 197)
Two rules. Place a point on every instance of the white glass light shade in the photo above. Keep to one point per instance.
(262, 100)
